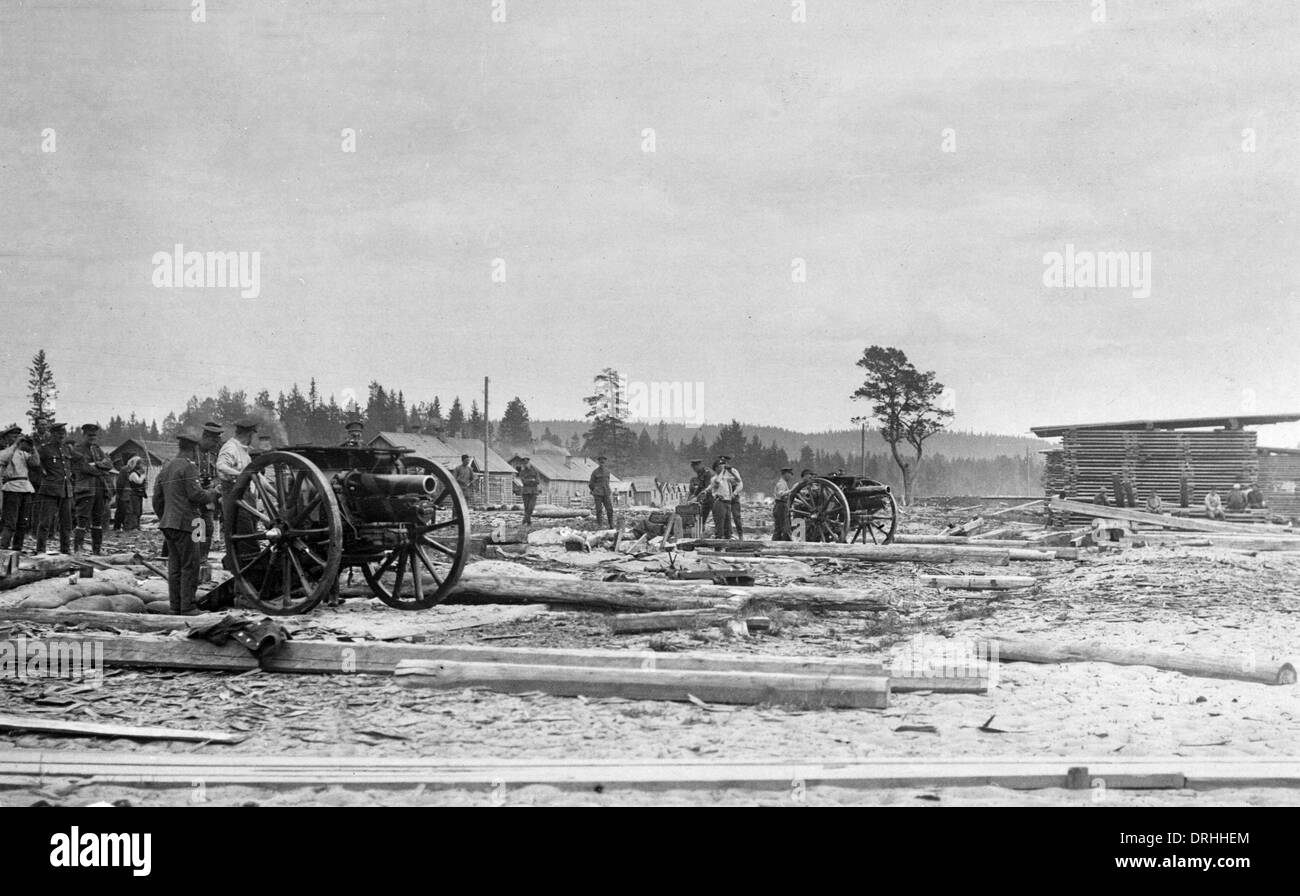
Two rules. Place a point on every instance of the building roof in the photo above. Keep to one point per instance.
(159, 452)
(446, 451)
(1227, 422)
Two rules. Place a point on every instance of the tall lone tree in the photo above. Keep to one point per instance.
(607, 410)
(455, 419)
(514, 424)
(42, 391)
(905, 401)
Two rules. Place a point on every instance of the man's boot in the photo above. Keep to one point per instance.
(78, 540)
(96, 540)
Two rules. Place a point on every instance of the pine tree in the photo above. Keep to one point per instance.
(514, 424)
(43, 391)
(455, 419)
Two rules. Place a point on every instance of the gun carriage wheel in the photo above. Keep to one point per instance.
(844, 508)
(285, 543)
(426, 558)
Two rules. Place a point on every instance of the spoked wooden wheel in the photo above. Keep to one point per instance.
(285, 534)
(426, 564)
(823, 508)
(877, 521)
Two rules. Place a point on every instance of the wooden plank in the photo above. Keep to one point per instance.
(1016, 772)
(979, 583)
(375, 658)
(870, 553)
(1247, 668)
(1060, 553)
(1229, 542)
(97, 729)
(675, 620)
(810, 691)
(1152, 519)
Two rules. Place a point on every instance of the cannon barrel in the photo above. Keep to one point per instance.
(390, 484)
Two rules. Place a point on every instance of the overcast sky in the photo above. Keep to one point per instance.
(774, 140)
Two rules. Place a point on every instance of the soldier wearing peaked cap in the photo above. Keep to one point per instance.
(179, 501)
(54, 495)
(17, 459)
(598, 485)
(354, 428)
(91, 471)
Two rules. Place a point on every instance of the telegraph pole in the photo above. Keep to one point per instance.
(487, 430)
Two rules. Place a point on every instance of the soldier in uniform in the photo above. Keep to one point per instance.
(91, 471)
(354, 428)
(179, 502)
(16, 457)
(781, 505)
(464, 476)
(598, 484)
(737, 486)
(209, 445)
(54, 496)
(532, 483)
(700, 489)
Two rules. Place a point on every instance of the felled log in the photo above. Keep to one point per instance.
(34, 569)
(978, 583)
(1229, 542)
(869, 553)
(136, 622)
(1011, 544)
(673, 620)
(1245, 668)
(651, 684)
(651, 597)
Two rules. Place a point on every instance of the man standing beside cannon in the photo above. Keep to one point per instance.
(354, 428)
(781, 504)
(464, 476)
(700, 489)
(180, 503)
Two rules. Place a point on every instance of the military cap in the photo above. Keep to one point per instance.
(787, 469)
(188, 435)
(464, 457)
(213, 427)
(354, 425)
(55, 424)
(89, 427)
(12, 431)
(525, 458)
(246, 423)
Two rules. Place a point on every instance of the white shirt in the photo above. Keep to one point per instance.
(232, 459)
(13, 467)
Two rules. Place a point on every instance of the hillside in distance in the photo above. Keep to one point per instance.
(978, 446)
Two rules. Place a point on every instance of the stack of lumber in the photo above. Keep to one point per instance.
(1279, 476)
(1154, 459)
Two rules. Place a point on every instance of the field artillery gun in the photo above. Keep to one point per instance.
(843, 509)
(297, 517)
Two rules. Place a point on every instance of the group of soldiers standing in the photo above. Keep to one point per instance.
(54, 484)
(717, 490)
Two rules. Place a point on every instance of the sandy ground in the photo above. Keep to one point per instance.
(1194, 600)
